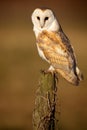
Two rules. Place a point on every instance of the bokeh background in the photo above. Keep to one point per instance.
(20, 64)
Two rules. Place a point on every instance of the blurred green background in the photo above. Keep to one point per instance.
(20, 64)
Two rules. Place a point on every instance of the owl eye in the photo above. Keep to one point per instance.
(46, 18)
(38, 17)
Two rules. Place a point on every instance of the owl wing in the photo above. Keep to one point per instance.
(57, 50)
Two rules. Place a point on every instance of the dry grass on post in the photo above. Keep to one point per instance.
(44, 114)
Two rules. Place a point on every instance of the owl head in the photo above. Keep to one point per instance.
(44, 19)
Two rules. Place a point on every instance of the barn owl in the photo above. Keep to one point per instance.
(54, 46)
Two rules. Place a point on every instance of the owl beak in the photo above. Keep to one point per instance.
(42, 24)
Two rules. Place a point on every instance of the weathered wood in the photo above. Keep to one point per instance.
(45, 103)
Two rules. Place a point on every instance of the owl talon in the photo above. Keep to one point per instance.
(46, 71)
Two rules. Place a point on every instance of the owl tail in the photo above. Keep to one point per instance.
(71, 76)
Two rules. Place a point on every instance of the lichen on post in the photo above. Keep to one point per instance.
(45, 103)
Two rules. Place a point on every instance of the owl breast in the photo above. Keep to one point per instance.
(41, 54)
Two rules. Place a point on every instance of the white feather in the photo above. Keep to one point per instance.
(41, 54)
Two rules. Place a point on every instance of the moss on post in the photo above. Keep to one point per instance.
(45, 103)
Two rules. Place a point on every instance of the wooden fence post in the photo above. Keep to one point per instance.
(45, 103)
